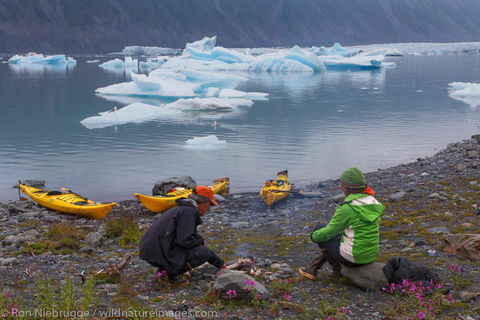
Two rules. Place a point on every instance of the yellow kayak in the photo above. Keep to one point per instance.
(162, 203)
(276, 190)
(67, 202)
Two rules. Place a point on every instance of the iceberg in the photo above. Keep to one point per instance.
(181, 109)
(360, 61)
(336, 49)
(201, 104)
(144, 86)
(222, 59)
(205, 44)
(113, 64)
(35, 58)
(232, 93)
(116, 65)
(291, 60)
(466, 92)
(210, 142)
(92, 61)
(180, 83)
(135, 112)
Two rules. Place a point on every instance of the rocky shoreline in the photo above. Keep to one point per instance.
(47, 258)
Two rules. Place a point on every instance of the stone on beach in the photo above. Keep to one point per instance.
(240, 282)
(162, 187)
(367, 276)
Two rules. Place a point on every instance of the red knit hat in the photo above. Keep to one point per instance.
(205, 192)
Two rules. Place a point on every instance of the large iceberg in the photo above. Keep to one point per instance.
(181, 109)
(466, 92)
(205, 57)
(174, 83)
(36, 58)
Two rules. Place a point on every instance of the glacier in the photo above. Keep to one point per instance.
(466, 92)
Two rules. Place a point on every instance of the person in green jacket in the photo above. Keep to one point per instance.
(352, 235)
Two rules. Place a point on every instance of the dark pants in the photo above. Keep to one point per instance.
(201, 254)
(196, 257)
(332, 247)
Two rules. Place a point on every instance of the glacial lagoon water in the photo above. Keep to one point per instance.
(314, 125)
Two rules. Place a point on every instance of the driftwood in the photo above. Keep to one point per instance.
(112, 273)
(246, 265)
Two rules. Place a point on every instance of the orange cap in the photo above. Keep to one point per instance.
(206, 192)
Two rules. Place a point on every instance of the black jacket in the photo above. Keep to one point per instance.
(170, 237)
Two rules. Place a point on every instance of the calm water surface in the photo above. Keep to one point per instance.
(314, 125)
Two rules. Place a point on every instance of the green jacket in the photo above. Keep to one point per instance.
(357, 219)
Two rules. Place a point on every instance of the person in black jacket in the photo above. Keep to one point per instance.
(172, 243)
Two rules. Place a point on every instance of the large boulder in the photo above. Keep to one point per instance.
(367, 276)
(161, 187)
(238, 282)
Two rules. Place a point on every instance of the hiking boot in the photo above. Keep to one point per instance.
(178, 283)
(310, 271)
(336, 268)
(168, 279)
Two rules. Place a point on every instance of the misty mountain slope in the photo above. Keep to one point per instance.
(109, 25)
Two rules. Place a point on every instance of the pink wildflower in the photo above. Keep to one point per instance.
(286, 296)
(421, 315)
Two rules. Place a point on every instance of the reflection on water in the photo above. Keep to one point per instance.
(314, 125)
(40, 70)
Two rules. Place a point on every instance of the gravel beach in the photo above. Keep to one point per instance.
(52, 261)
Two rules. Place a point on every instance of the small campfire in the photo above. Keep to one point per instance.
(247, 265)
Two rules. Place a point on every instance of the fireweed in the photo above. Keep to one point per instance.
(429, 301)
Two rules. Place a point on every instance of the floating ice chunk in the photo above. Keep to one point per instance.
(113, 64)
(144, 86)
(291, 60)
(173, 83)
(131, 63)
(135, 112)
(217, 54)
(92, 61)
(232, 93)
(210, 142)
(336, 49)
(358, 61)
(34, 58)
(117, 64)
(200, 104)
(206, 44)
(466, 92)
